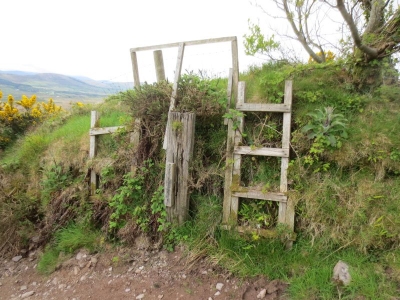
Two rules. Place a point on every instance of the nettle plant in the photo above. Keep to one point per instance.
(327, 130)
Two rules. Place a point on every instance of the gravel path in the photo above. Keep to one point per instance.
(129, 274)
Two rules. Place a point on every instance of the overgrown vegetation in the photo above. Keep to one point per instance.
(343, 175)
(16, 117)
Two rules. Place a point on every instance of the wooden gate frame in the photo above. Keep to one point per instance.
(232, 90)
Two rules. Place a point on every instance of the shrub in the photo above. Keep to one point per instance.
(15, 121)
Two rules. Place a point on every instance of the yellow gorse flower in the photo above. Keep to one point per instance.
(10, 100)
(51, 107)
(36, 112)
(8, 112)
(16, 119)
(26, 102)
(329, 56)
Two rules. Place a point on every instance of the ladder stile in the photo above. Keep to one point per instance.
(233, 190)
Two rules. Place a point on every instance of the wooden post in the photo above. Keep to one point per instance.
(172, 103)
(179, 151)
(237, 158)
(235, 71)
(135, 135)
(135, 69)
(286, 210)
(159, 64)
(92, 152)
(229, 94)
(230, 142)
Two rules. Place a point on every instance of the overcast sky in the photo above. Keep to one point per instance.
(92, 37)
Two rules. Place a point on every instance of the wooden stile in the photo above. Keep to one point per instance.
(94, 131)
(233, 190)
(173, 172)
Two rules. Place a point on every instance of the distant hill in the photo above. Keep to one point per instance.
(61, 88)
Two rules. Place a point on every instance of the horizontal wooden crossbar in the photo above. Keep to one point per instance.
(265, 107)
(188, 43)
(105, 130)
(253, 194)
(276, 152)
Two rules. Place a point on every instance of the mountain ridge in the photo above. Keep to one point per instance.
(58, 86)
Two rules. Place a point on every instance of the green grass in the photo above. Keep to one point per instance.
(114, 118)
(66, 241)
(307, 267)
(48, 261)
(27, 151)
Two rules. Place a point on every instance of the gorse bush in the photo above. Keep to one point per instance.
(15, 121)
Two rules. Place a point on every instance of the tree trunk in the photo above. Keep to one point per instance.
(379, 40)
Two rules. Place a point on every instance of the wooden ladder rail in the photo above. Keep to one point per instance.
(233, 191)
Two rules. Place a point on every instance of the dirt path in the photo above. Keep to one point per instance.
(129, 274)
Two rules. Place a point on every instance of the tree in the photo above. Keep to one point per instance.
(373, 25)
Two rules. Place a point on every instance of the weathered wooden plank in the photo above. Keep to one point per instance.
(170, 159)
(178, 71)
(265, 107)
(241, 93)
(159, 65)
(229, 94)
(170, 179)
(94, 119)
(105, 130)
(172, 103)
(135, 69)
(230, 142)
(237, 158)
(135, 135)
(235, 70)
(254, 194)
(229, 89)
(287, 115)
(275, 152)
(229, 201)
(179, 151)
(283, 189)
(187, 43)
(287, 216)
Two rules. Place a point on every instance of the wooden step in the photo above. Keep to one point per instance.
(276, 152)
(266, 107)
(256, 194)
